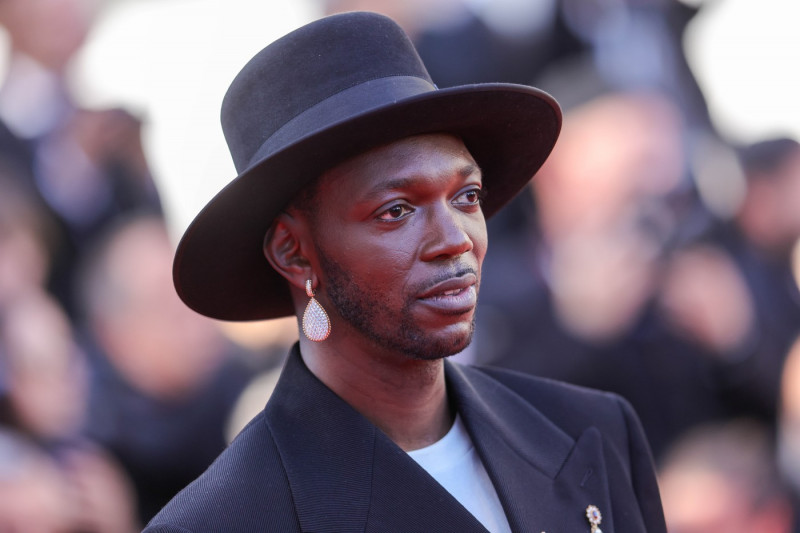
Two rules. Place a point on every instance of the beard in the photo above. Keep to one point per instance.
(397, 331)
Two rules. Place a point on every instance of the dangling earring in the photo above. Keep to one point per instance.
(316, 324)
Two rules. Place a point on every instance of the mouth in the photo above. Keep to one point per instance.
(456, 295)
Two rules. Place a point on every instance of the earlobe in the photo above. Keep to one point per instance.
(284, 251)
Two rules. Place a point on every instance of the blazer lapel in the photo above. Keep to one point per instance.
(345, 475)
(544, 478)
(406, 499)
(326, 449)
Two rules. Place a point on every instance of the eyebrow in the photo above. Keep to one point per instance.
(405, 182)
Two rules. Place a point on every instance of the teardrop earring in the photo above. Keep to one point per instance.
(316, 324)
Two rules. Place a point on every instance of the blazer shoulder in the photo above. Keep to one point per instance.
(574, 409)
(245, 489)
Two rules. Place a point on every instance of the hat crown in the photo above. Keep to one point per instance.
(307, 66)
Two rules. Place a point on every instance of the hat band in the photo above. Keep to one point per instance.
(341, 107)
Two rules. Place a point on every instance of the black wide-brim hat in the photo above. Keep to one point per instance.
(326, 92)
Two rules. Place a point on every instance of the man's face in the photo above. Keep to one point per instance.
(400, 238)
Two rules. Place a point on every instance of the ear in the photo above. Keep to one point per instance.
(285, 246)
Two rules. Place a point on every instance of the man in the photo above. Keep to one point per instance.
(366, 188)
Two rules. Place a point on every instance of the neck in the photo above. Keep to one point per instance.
(404, 397)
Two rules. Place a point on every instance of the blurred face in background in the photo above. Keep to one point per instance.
(158, 345)
(788, 197)
(47, 385)
(49, 31)
(614, 153)
(770, 215)
(722, 478)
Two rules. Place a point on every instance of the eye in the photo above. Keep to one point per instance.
(396, 212)
(470, 197)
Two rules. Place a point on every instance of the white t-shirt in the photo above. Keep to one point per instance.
(456, 465)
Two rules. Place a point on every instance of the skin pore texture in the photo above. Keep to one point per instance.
(393, 241)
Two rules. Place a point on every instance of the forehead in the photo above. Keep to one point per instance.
(432, 156)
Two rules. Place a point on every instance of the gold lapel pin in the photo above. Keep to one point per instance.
(594, 517)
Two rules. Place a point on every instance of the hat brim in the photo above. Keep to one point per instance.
(220, 270)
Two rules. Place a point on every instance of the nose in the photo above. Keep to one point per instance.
(447, 234)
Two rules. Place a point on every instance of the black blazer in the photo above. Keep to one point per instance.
(309, 462)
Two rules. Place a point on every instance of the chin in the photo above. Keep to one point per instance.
(444, 344)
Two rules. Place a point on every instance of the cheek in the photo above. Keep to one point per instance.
(480, 238)
(368, 259)
(382, 263)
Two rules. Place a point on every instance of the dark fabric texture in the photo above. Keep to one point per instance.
(309, 462)
(321, 94)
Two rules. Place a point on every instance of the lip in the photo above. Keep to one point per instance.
(452, 296)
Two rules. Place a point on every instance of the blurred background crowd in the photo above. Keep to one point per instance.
(655, 256)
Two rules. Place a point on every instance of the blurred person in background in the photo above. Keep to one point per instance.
(733, 291)
(723, 478)
(636, 45)
(87, 166)
(590, 278)
(602, 213)
(766, 229)
(631, 284)
(166, 380)
(44, 398)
